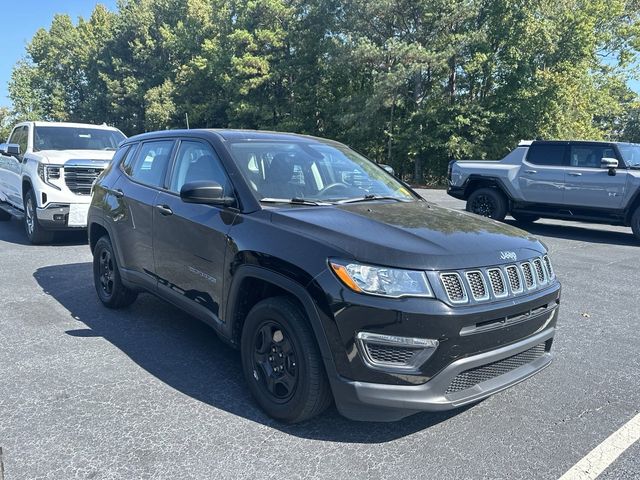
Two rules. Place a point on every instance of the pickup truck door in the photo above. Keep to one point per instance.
(11, 168)
(190, 239)
(589, 185)
(541, 176)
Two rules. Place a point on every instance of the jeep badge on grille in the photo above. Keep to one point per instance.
(508, 255)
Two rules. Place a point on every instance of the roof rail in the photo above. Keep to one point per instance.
(525, 143)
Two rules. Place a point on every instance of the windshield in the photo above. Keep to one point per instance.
(74, 138)
(630, 154)
(313, 171)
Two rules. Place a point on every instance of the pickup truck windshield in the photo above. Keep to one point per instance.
(72, 138)
(630, 154)
(313, 172)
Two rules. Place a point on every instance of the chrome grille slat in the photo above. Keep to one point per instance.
(498, 285)
(479, 290)
(547, 264)
(540, 273)
(527, 272)
(515, 282)
(453, 287)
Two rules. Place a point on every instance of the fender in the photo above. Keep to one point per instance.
(481, 178)
(295, 289)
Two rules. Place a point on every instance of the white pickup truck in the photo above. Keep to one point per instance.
(47, 170)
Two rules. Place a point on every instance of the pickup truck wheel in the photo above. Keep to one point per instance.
(488, 202)
(106, 277)
(524, 218)
(635, 223)
(281, 361)
(35, 232)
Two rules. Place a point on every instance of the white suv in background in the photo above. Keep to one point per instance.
(46, 173)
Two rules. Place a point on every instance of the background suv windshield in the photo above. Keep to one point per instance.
(630, 154)
(314, 171)
(70, 138)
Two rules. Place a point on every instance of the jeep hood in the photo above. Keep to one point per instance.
(410, 235)
(59, 157)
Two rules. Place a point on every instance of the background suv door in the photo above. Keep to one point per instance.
(190, 239)
(589, 185)
(541, 176)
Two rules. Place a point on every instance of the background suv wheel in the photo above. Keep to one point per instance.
(488, 202)
(524, 218)
(635, 223)
(281, 361)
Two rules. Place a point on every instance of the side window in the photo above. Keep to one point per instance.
(196, 161)
(150, 164)
(590, 156)
(127, 163)
(546, 154)
(20, 137)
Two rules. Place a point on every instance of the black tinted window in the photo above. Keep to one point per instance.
(196, 161)
(150, 165)
(590, 156)
(549, 154)
(75, 138)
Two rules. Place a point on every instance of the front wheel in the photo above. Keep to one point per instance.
(488, 202)
(106, 277)
(635, 223)
(281, 361)
(35, 233)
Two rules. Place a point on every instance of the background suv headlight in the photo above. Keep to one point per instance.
(383, 281)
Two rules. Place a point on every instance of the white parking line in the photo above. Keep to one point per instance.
(598, 459)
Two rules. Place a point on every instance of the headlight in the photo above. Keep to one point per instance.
(384, 281)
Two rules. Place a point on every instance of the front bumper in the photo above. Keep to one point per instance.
(383, 402)
(60, 216)
(457, 192)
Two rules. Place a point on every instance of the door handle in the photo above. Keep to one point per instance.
(575, 174)
(531, 171)
(164, 210)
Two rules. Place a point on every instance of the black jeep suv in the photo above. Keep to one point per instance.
(335, 280)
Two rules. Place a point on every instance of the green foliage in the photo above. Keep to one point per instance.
(412, 83)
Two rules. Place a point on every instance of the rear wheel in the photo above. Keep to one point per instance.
(35, 232)
(524, 218)
(488, 202)
(635, 223)
(281, 361)
(106, 277)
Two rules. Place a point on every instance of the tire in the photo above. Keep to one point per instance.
(488, 202)
(106, 277)
(4, 216)
(524, 218)
(277, 336)
(635, 223)
(35, 233)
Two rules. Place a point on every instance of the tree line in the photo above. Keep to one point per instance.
(411, 83)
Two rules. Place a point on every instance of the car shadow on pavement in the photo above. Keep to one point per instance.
(13, 232)
(187, 355)
(583, 234)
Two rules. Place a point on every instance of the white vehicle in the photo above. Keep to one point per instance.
(47, 170)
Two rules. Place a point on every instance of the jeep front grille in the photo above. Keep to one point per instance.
(474, 376)
(483, 284)
(80, 179)
(453, 287)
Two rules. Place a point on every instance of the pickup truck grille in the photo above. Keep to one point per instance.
(80, 179)
(484, 284)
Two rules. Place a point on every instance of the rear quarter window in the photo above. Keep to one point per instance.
(547, 154)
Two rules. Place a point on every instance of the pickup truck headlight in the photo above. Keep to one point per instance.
(48, 173)
(383, 281)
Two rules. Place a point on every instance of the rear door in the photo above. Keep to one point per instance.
(190, 239)
(144, 171)
(541, 176)
(589, 185)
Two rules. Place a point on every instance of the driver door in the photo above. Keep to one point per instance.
(11, 167)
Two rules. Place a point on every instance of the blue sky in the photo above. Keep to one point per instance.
(21, 19)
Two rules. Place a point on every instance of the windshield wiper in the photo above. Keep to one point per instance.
(370, 197)
(293, 201)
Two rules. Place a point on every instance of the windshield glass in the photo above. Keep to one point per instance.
(312, 171)
(630, 153)
(73, 138)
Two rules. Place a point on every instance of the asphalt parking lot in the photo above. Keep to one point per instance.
(149, 392)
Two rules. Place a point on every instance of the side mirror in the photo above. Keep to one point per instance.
(609, 163)
(10, 149)
(205, 192)
(389, 169)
